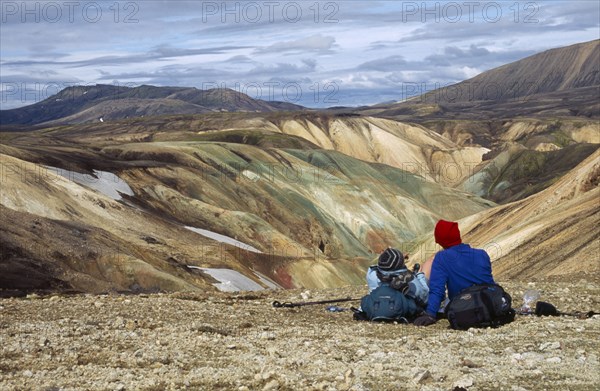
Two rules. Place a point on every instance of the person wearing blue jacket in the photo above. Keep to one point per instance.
(395, 293)
(457, 267)
(390, 264)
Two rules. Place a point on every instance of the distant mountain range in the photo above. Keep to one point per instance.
(83, 104)
(558, 82)
(561, 69)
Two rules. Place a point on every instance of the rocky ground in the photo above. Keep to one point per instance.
(239, 341)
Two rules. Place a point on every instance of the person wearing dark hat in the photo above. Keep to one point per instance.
(458, 266)
(391, 267)
(395, 293)
(389, 264)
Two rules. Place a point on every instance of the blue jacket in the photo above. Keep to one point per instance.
(457, 267)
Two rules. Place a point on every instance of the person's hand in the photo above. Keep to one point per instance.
(425, 320)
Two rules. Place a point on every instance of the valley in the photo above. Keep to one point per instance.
(162, 189)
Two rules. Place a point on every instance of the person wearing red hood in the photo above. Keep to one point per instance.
(458, 266)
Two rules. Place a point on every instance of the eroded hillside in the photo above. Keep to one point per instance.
(279, 200)
(554, 232)
(302, 215)
(409, 147)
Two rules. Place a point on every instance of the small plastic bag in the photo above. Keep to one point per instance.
(530, 298)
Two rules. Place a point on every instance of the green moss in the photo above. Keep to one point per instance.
(255, 137)
(523, 165)
(561, 138)
(529, 172)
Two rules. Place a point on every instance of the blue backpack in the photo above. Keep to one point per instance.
(416, 288)
(385, 303)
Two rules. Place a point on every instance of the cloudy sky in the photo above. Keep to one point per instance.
(314, 53)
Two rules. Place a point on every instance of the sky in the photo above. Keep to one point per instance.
(313, 53)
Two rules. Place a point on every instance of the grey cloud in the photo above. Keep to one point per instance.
(193, 74)
(158, 53)
(44, 50)
(448, 67)
(387, 64)
(310, 63)
(444, 32)
(315, 43)
(475, 56)
(455, 32)
(472, 51)
(39, 77)
(586, 11)
(283, 79)
(281, 16)
(283, 69)
(167, 51)
(171, 73)
(380, 45)
(239, 59)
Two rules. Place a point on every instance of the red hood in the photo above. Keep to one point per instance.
(447, 233)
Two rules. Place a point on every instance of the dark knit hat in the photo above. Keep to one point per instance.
(390, 260)
(447, 234)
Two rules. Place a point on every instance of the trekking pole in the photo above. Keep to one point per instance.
(580, 315)
(278, 304)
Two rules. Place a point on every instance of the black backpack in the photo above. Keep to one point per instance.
(481, 305)
(385, 303)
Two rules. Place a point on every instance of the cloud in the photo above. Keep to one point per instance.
(451, 65)
(316, 43)
(240, 59)
(473, 56)
(159, 53)
(283, 69)
(380, 45)
(528, 23)
(180, 75)
(370, 51)
(387, 64)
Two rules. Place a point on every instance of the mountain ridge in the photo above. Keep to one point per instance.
(553, 70)
(80, 104)
(563, 82)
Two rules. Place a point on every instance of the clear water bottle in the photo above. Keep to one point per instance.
(530, 297)
(335, 308)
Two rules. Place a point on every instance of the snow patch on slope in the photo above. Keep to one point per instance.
(104, 182)
(224, 239)
(230, 280)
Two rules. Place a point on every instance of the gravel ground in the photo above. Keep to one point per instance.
(240, 342)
